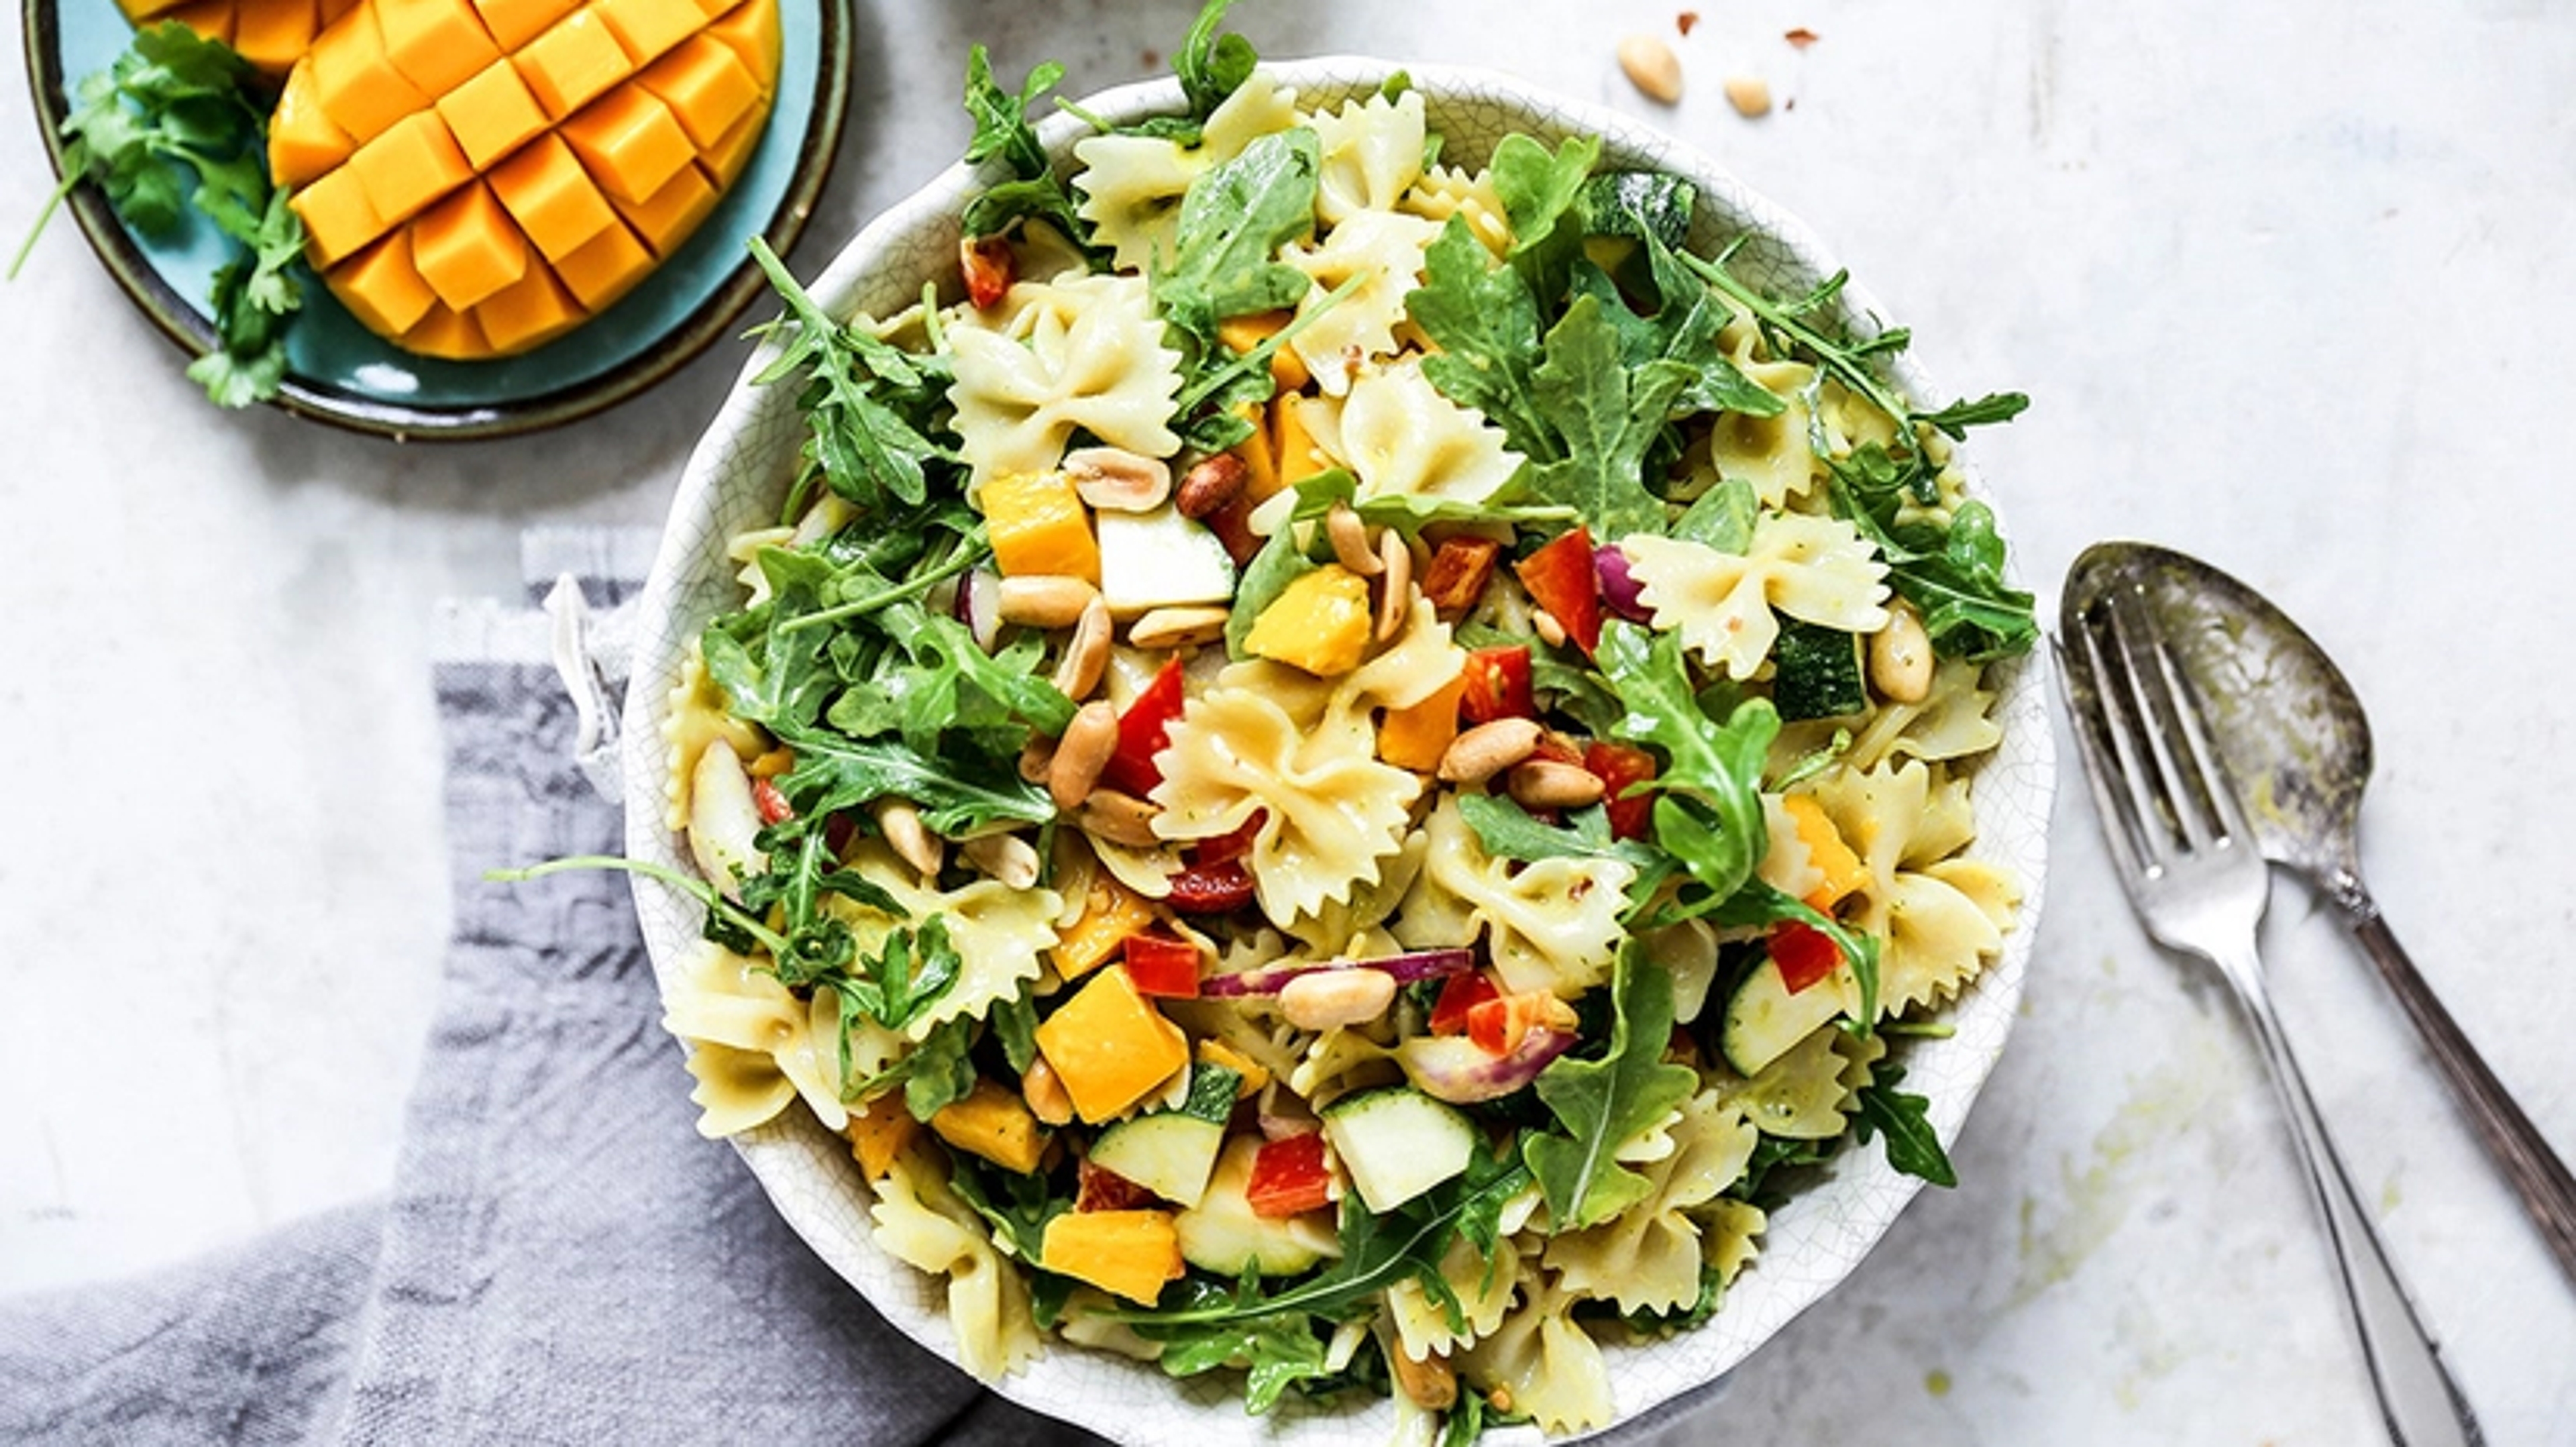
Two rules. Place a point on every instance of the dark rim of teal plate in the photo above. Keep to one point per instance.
(184, 323)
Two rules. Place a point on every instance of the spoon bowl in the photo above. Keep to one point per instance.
(2291, 737)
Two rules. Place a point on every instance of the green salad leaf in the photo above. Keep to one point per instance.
(1903, 1119)
(1709, 811)
(1600, 1105)
(1233, 221)
(1608, 413)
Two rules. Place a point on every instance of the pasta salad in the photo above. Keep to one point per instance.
(1342, 759)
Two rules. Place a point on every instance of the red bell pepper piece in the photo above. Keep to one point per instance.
(1499, 1025)
(1143, 730)
(772, 804)
(1098, 1188)
(1561, 578)
(1289, 1176)
(1621, 767)
(1158, 965)
(1804, 954)
(1220, 888)
(1233, 844)
(1498, 685)
(989, 266)
(1458, 995)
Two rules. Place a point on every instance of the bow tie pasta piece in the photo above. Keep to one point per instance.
(1001, 934)
(1816, 569)
(1446, 191)
(1552, 926)
(1938, 917)
(1400, 435)
(1648, 1258)
(1483, 1286)
(1372, 155)
(923, 1223)
(1084, 352)
(1550, 1366)
(1385, 250)
(476, 177)
(1132, 185)
(758, 1046)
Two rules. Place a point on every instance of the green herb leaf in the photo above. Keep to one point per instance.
(1912, 1145)
(1542, 193)
(832, 774)
(1233, 221)
(1487, 326)
(1710, 814)
(1609, 416)
(1276, 1352)
(1600, 1105)
(871, 409)
(1409, 513)
(1210, 65)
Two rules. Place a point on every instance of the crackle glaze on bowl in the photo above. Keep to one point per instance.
(735, 481)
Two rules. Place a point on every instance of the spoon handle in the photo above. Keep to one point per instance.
(2521, 1152)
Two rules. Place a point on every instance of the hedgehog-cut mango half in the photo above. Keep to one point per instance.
(477, 177)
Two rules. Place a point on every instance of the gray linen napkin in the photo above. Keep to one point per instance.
(562, 1259)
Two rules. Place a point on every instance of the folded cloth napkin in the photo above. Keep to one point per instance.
(562, 1259)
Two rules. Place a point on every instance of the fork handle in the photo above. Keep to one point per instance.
(2534, 1171)
(2421, 1404)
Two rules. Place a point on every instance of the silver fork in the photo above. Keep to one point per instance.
(2198, 881)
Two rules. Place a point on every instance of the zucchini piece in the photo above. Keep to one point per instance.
(1764, 1021)
(1639, 204)
(1396, 1143)
(1170, 1153)
(1213, 1091)
(1817, 672)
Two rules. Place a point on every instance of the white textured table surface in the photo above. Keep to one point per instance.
(2284, 283)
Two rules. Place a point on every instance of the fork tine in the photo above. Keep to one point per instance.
(2216, 790)
(2119, 824)
(2190, 784)
(2131, 736)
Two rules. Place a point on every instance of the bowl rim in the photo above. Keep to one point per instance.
(1875, 1193)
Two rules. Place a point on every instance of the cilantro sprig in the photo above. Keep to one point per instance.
(178, 124)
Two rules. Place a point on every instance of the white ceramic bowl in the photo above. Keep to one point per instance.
(735, 480)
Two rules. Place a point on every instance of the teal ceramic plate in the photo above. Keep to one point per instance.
(341, 373)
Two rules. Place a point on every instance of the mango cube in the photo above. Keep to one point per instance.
(414, 162)
(665, 218)
(1843, 869)
(513, 23)
(531, 310)
(1110, 913)
(382, 288)
(705, 86)
(302, 141)
(878, 1131)
(546, 191)
(1038, 527)
(447, 334)
(436, 44)
(572, 64)
(338, 218)
(467, 248)
(1319, 623)
(991, 1121)
(1110, 1046)
(600, 270)
(1416, 737)
(356, 83)
(492, 114)
(647, 28)
(271, 34)
(630, 142)
(1125, 1253)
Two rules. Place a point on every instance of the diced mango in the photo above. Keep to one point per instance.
(302, 141)
(446, 333)
(629, 142)
(337, 216)
(600, 270)
(730, 152)
(436, 44)
(706, 86)
(1241, 334)
(357, 85)
(1110, 1046)
(647, 28)
(1038, 527)
(1292, 446)
(414, 162)
(572, 64)
(212, 19)
(1212, 1051)
(382, 289)
(1260, 465)
(467, 248)
(878, 1131)
(546, 191)
(513, 23)
(665, 218)
(492, 114)
(1125, 1253)
(271, 34)
(991, 1121)
(1417, 736)
(1843, 869)
(1110, 913)
(1319, 623)
(527, 312)
(752, 31)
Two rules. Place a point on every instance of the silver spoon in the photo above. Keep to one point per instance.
(2292, 738)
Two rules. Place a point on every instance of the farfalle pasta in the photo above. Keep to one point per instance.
(1325, 694)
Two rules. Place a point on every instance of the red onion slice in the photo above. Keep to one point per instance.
(1406, 968)
(1456, 1069)
(1619, 588)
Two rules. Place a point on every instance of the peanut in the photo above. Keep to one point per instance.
(1749, 94)
(1325, 999)
(1394, 584)
(1086, 654)
(1045, 1094)
(1349, 537)
(1082, 753)
(1006, 858)
(1045, 600)
(1116, 480)
(1553, 784)
(1119, 818)
(1212, 486)
(1487, 749)
(1652, 67)
(1900, 658)
(1163, 628)
(911, 840)
(1430, 1383)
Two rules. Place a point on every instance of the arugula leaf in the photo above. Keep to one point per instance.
(1912, 1145)
(1722, 517)
(871, 409)
(1953, 576)
(1409, 513)
(1276, 1352)
(1508, 831)
(1018, 1210)
(1002, 128)
(1602, 1104)
(1710, 813)
(1542, 193)
(1487, 326)
(938, 1072)
(1378, 1251)
(833, 773)
(1640, 204)
(1233, 220)
(1609, 415)
(1211, 66)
